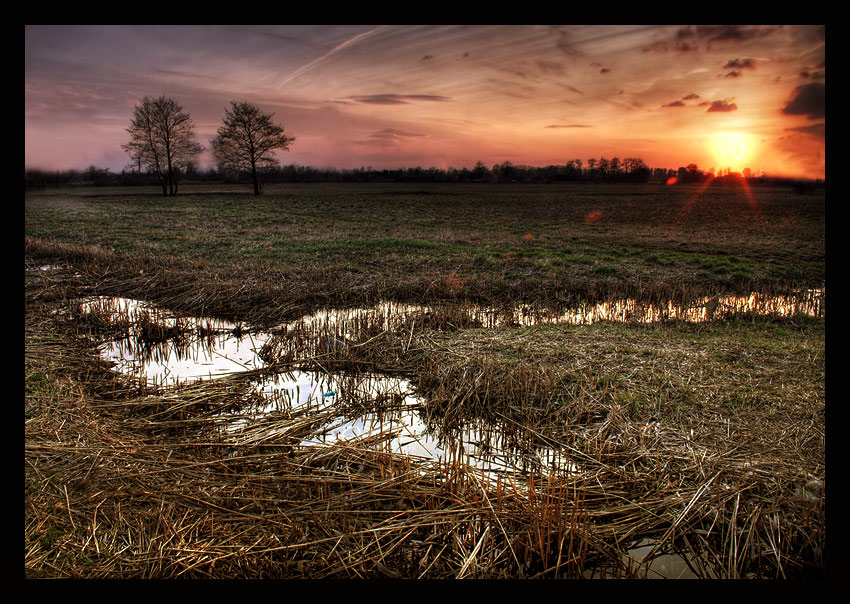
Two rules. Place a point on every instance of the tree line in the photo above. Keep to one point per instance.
(499, 173)
(163, 151)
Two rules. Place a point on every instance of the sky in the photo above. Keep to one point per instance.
(353, 96)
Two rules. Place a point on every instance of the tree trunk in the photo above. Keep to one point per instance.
(255, 178)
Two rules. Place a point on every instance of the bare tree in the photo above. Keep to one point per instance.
(162, 140)
(247, 140)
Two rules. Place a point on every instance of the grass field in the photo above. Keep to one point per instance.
(705, 438)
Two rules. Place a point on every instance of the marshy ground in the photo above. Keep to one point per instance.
(703, 438)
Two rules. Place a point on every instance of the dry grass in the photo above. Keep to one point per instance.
(707, 440)
(123, 481)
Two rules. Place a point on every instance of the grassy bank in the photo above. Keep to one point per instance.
(348, 243)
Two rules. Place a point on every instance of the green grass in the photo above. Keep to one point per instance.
(651, 231)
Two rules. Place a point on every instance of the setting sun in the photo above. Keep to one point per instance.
(733, 150)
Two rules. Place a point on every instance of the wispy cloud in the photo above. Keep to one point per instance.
(398, 99)
(817, 131)
(336, 49)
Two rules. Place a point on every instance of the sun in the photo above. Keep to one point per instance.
(732, 150)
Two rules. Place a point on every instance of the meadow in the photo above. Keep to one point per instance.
(702, 438)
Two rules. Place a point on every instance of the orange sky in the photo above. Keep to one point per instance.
(394, 96)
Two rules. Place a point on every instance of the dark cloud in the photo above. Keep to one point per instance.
(740, 64)
(724, 105)
(394, 133)
(564, 45)
(569, 126)
(180, 74)
(398, 99)
(732, 74)
(815, 130)
(550, 67)
(809, 100)
(731, 33)
(681, 103)
(516, 72)
(659, 46)
(687, 39)
(426, 57)
(604, 70)
(814, 75)
(570, 88)
(389, 138)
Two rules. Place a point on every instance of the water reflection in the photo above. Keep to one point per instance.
(187, 359)
(386, 411)
(641, 562)
(391, 315)
(631, 311)
(164, 349)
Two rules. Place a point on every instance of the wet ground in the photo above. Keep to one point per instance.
(165, 350)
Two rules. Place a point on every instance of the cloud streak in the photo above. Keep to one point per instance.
(398, 99)
(334, 51)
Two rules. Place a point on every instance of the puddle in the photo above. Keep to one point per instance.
(663, 566)
(400, 425)
(639, 564)
(49, 268)
(334, 407)
(314, 411)
(179, 362)
(806, 303)
(390, 315)
(163, 349)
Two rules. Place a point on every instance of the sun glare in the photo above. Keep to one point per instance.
(732, 150)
